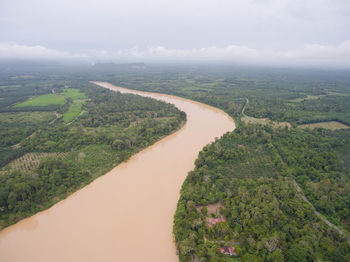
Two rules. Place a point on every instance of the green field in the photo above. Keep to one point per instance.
(43, 100)
(73, 111)
(75, 107)
(74, 94)
(55, 99)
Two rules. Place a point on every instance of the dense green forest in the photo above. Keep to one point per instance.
(251, 173)
(51, 148)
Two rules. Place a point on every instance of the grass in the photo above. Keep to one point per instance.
(75, 108)
(332, 125)
(74, 94)
(73, 112)
(43, 100)
(26, 117)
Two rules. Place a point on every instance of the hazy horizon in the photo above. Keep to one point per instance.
(253, 32)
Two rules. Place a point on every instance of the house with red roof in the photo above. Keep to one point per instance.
(228, 251)
(212, 221)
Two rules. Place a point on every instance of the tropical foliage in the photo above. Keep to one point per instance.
(251, 172)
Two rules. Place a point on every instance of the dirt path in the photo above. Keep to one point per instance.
(245, 105)
(244, 115)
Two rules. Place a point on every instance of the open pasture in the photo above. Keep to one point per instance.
(74, 94)
(43, 100)
(73, 112)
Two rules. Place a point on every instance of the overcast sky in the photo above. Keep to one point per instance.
(294, 32)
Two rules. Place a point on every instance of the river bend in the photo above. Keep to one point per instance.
(127, 214)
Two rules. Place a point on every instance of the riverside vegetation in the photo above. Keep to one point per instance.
(251, 172)
(58, 135)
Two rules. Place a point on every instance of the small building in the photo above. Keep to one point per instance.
(228, 251)
(213, 221)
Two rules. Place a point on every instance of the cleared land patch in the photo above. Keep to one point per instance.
(74, 94)
(332, 125)
(253, 120)
(263, 121)
(43, 100)
(308, 97)
(212, 208)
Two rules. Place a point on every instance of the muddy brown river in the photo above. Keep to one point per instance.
(127, 214)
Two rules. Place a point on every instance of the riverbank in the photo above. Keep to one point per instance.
(113, 128)
(127, 214)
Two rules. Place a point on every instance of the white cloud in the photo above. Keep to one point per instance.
(17, 51)
(308, 55)
(316, 51)
(208, 53)
(277, 25)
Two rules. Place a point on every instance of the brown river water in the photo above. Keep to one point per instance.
(127, 214)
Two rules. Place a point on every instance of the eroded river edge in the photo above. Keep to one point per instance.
(127, 214)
